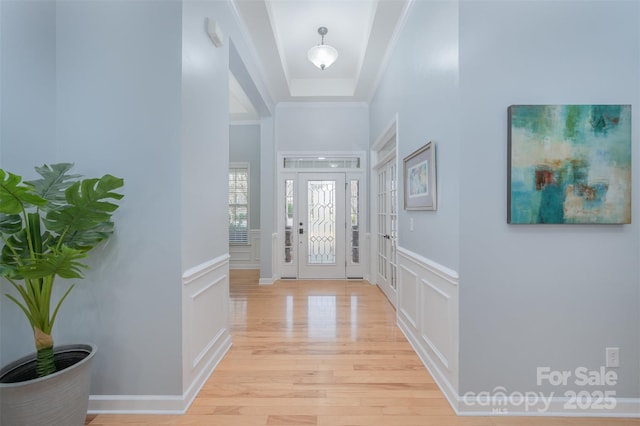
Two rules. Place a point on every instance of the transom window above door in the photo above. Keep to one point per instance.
(321, 162)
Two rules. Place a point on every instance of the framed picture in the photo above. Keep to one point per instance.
(569, 164)
(420, 179)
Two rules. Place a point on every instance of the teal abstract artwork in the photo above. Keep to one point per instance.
(569, 164)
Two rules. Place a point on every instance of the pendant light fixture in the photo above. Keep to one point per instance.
(322, 55)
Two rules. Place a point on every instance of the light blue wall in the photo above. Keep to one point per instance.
(28, 102)
(111, 105)
(244, 146)
(267, 196)
(28, 99)
(321, 127)
(421, 86)
(118, 111)
(542, 295)
(530, 296)
(205, 135)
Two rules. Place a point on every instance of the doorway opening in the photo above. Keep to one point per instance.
(320, 220)
(385, 217)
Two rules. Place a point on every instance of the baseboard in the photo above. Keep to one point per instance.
(266, 281)
(243, 266)
(424, 277)
(136, 404)
(158, 404)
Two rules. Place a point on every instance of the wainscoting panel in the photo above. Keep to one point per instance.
(436, 321)
(428, 316)
(274, 263)
(206, 338)
(246, 256)
(408, 294)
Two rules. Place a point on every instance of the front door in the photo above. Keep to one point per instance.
(321, 224)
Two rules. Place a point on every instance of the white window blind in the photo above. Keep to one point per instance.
(239, 204)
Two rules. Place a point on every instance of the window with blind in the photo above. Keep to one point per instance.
(239, 204)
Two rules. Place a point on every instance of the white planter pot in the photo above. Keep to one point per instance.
(60, 398)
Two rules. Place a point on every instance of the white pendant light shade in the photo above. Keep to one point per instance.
(322, 55)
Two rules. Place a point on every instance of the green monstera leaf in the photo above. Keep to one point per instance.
(10, 224)
(53, 184)
(63, 263)
(86, 219)
(25, 247)
(47, 226)
(15, 196)
(87, 205)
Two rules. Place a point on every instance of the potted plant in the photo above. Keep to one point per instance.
(47, 226)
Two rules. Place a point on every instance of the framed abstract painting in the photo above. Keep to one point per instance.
(569, 164)
(420, 179)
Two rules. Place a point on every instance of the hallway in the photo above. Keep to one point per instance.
(320, 353)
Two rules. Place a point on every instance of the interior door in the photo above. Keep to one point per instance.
(386, 236)
(321, 225)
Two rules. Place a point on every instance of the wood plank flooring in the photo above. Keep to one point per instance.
(321, 353)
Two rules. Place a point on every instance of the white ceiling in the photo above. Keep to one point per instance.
(282, 31)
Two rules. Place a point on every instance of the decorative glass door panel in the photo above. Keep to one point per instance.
(321, 220)
(321, 225)
(289, 239)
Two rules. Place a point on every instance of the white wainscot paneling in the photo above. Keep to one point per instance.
(408, 295)
(436, 320)
(246, 256)
(205, 329)
(206, 339)
(428, 316)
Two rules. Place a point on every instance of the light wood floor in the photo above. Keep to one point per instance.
(321, 353)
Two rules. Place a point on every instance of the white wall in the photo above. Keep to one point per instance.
(542, 295)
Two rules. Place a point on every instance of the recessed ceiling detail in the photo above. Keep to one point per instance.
(283, 31)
